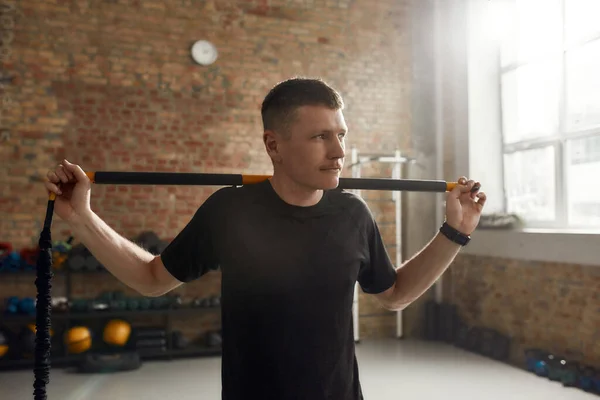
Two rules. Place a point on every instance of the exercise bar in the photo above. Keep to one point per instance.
(204, 179)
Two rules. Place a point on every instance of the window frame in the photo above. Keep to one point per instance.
(559, 141)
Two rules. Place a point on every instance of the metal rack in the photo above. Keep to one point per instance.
(66, 319)
(397, 160)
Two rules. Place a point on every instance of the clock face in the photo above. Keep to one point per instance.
(204, 52)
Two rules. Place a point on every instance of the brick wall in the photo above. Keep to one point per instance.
(552, 306)
(110, 85)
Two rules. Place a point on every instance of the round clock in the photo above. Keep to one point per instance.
(204, 52)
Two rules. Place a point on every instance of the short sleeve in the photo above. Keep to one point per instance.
(192, 253)
(377, 273)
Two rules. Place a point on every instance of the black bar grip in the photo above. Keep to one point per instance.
(409, 185)
(166, 178)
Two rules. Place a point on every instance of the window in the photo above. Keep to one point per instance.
(550, 101)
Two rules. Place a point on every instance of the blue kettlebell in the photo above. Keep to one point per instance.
(535, 360)
(586, 378)
(27, 306)
(12, 305)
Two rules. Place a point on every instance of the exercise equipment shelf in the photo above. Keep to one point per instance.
(109, 314)
(70, 317)
(64, 361)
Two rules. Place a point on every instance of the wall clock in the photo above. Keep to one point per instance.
(204, 52)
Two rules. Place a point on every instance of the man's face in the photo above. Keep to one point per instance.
(312, 153)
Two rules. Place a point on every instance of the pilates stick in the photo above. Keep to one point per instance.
(205, 179)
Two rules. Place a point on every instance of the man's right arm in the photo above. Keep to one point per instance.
(187, 257)
(128, 262)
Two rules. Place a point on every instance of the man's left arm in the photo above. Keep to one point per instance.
(464, 205)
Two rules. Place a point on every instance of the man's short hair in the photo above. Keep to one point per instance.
(286, 97)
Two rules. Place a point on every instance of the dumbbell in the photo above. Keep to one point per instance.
(117, 305)
(27, 306)
(62, 246)
(5, 248)
(12, 305)
(160, 303)
(569, 375)
(132, 304)
(79, 305)
(144, 303)
(175, 301)
(555, 367)
(596, 384)
(536, 361)
(28, 259)
(199, 302)
(586, 378)
(106, 296)
(119, 295)
(11, 262)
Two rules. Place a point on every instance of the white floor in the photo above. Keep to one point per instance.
(390, 369)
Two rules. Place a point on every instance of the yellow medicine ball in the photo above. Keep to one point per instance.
(117, 332)
(78, 339)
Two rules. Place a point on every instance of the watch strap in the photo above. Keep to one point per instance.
(454, 235)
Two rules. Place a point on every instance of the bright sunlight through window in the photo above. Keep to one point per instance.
(550, 88)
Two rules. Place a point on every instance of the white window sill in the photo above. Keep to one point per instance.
(562, 246)
(557, 231)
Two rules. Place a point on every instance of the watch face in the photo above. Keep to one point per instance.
(204, 52)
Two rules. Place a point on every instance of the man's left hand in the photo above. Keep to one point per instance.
(464, 205)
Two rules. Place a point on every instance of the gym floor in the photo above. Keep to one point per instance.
(390, 369)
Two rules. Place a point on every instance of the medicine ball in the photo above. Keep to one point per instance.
(26, 340)
(117, 333)
(78, 339)
(4, 342)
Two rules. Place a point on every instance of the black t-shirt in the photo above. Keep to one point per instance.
(288, 276)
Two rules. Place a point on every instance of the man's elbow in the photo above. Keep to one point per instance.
(391, 299)
(158, 282)
(396, 306)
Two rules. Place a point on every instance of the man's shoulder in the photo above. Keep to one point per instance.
(229, 195)
(350, 201)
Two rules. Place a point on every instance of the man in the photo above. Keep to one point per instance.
(290, 250)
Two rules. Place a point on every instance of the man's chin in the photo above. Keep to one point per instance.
(322, 181)
(330, 183)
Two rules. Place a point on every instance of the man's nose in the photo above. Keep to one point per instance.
(337, 149)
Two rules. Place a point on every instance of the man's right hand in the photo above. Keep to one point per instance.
(72, 188)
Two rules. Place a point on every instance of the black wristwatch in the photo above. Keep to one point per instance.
(454, 235)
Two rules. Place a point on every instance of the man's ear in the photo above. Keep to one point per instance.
(271, 144)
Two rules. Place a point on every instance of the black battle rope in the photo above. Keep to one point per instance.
(44, 274)
(43, 282)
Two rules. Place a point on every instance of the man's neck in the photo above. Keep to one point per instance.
(293, 193)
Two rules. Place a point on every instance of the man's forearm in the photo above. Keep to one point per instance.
(125, 260)
(418, 274)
